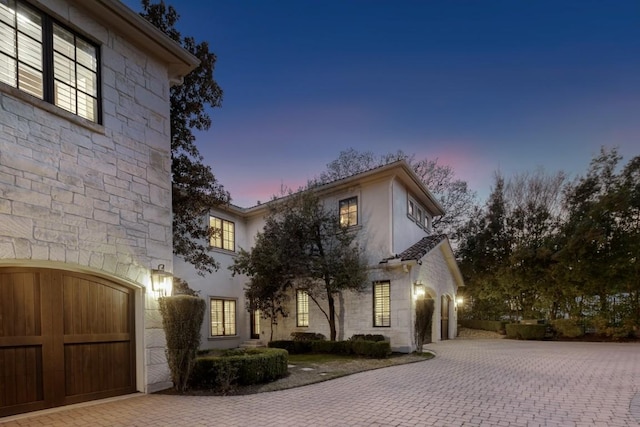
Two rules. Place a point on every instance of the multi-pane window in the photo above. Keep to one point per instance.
(381, 304)
(223, 317)
(46, 60)
(302, 308)
(224, 234)
(418, 214)
(348, 212)
(75, 74)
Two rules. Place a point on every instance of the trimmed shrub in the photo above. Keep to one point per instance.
(307, 336)
(373, 349)
(255, 366)
(567, 328)
(525, 332)
(485, 325)
(182, 317)
(368, 337)
(293, 347)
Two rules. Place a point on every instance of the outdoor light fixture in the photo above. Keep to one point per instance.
(418, 290)
(161, 281)
(459, 300)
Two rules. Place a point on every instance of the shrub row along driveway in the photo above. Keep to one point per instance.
(470, 382)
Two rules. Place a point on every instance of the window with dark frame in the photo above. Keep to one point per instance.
(224, 236)
(348, 211)
(49, 61)
(302, 308)
(382, 304)
(223, 317)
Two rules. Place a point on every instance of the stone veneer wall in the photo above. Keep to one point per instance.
(95, 198)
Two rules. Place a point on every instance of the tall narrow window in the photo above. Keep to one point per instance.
(381, 304)
(411, 209)
(348, 212)
(75, 74)
(224, 236)
(302, 308)
(223, 317)
(46, 60)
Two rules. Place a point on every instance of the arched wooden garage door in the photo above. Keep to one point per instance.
(64, 338)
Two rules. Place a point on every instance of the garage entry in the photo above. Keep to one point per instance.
(64, 338)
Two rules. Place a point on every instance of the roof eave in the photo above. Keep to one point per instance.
(143, 34)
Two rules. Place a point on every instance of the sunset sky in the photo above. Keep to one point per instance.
(481, 85)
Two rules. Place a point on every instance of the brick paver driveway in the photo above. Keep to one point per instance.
(470, 383)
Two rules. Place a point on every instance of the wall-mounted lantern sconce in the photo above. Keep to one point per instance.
(161, 281)
(459, 301)
(419, 290)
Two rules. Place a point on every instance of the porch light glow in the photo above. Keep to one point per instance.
(459, 301)
(418, 290)
(161, 281)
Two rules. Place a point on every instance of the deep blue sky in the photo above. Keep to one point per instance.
(480, 85)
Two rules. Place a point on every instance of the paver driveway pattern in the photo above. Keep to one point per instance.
(469, 383)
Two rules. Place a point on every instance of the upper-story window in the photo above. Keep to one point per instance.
(224, 235)
(348, 212)
(418, 214)
(47, 60)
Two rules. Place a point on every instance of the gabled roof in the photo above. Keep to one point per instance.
(399, 170)
(419, 249)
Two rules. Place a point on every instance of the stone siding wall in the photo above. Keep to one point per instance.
(84, 196)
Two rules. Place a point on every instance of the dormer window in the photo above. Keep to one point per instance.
(348, 212)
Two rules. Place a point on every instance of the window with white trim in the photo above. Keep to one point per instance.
(224, 234)
(223, 317)
(382, 304)
(49, 61)
(302, 308)
(348, 211)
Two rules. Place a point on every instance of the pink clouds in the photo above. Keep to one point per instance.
(469, 163)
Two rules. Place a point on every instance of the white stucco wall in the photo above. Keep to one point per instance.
(94, 198)
(405, 230)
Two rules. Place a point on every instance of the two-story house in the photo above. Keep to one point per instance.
(392, 212)
(85, 200)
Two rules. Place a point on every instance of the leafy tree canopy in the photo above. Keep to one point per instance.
(303, 246)
(195, 188)
(545, 247)
(453, 194)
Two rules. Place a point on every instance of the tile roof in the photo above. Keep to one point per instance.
(420, 249)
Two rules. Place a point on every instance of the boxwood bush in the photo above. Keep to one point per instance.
(307, 336)
(367, 337)
(251, 366)
(374, 349)
(525, 332)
